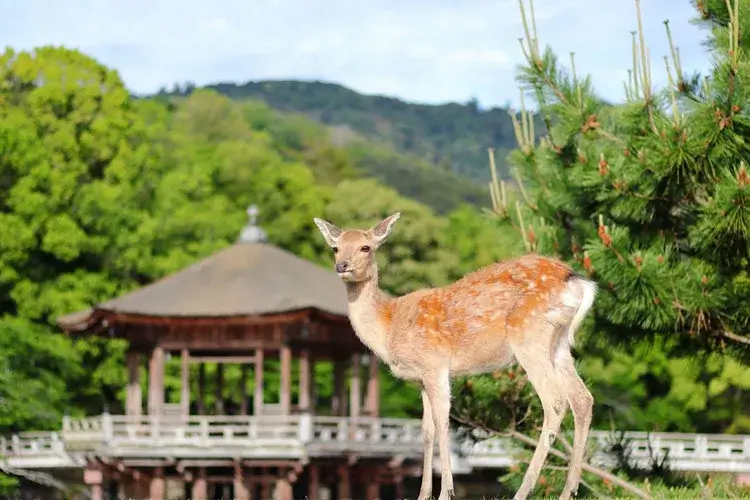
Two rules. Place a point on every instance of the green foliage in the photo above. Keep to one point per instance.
(654, 387)
(414, 177)
(35, 368)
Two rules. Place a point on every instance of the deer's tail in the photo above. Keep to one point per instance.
(584, 291)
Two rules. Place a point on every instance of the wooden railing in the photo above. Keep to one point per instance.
(305, 435)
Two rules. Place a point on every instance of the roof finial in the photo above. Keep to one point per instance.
(252, 233)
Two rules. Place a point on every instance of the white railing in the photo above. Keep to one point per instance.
(687, 452)
(31, 444)
(366, 430)
(276, 435)
(305, 435)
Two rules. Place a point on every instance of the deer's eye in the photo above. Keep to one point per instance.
(365, 249)
(335, 249)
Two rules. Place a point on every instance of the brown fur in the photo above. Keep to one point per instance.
(525, 309)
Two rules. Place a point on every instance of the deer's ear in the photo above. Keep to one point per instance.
(383, 228)
(330, 232)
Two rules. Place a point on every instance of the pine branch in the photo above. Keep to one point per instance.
(734, 49)
(675, 58)
(737, 338)
(523, 438)
(645, 69)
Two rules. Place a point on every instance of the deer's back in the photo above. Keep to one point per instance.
(476, 312)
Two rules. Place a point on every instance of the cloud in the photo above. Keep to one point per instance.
(419, 50)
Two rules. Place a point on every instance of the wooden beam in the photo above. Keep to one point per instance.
(222, 359)
(126, 463)
(293, 464)
(222, 344)
(200, 462)
(267, 319)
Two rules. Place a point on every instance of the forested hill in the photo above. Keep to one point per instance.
(453, 137)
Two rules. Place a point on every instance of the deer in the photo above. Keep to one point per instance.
(526, 310)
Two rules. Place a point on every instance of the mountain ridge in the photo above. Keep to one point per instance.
(452, 136)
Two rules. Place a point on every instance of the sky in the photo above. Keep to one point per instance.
(428, 51)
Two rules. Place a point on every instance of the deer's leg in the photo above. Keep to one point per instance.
(581, 403)
(439, 393)
(428, 436)
(541, 373)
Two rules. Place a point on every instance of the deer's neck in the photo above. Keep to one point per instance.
(370, 313)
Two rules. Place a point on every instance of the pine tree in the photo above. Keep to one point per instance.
(651, 197)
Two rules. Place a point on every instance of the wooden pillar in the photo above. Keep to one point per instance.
(244, 400)
(339, 389)
(305, 381)
(373, 490)
(219, 396)
(157, 487)
(185, 381)
(283, 489)
(313, 485)
(285, 391)
(345, 489)
(200, 486)
(133, 398)
(241, 492)
(258, 395)
(93, 477)
(141, 485)
(355, 388)
(156, 381)
(399, 483)
(373, 387)
(265, 488)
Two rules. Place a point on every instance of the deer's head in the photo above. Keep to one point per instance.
(354, 249)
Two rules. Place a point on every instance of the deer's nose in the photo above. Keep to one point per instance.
(341, 266)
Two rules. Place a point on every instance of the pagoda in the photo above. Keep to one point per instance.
(254, 305)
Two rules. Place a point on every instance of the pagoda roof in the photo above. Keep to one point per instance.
(244, 279)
